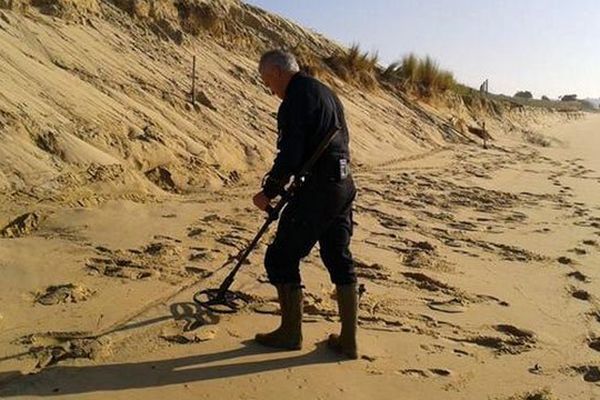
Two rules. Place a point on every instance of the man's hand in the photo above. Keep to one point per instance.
(261, 201)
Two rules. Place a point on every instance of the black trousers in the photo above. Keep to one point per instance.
(321, 212)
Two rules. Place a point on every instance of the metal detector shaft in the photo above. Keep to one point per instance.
(273, 215)
(273, 212)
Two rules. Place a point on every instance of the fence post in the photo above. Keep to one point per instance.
(194, 81)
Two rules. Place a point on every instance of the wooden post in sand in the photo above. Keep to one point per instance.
(485, 136)
(194, 81)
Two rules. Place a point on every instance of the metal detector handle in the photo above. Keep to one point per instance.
(299, 178)
(272, 213)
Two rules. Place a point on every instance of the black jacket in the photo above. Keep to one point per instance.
(307, 113)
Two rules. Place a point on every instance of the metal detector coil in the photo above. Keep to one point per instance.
(221, 302)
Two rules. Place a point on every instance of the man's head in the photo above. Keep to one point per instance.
(276, 68)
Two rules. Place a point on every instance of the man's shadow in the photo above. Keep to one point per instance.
(75, 380)
(83, 379)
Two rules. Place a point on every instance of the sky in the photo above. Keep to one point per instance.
(549, 47)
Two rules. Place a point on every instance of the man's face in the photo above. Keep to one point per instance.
(272, 76)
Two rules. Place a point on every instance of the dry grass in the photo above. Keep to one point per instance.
(421, 76)
(356, 66)
(309, 61)
(198, 18)
(67, 9)
(536, 139)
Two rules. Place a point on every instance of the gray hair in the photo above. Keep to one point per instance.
(281, 58)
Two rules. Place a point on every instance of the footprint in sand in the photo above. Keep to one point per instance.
(414, 373)
(580, 294)
(590, 373)
(513, 331)
(199, 272)
(119, 268)
(232, 239)
(579, 251)
(440, 372)
(421, 373)
(161, 260)
(516, 340)
(188, 330)
(463, 226)
(453, 306)
(194, 232)
(164, 237)
(50, 354)
(425, 282)
(595, 315)
(452, 243)
(61, 294)
(371, 271)
(565, 260)
(317, 307)
(419, 257)
(22, 226)
(462, 353)
(579, 276)
(594, 343)
(200, 254)
(580, 213)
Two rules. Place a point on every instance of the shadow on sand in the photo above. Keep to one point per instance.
(113, 377)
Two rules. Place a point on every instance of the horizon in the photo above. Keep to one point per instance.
(536, 34)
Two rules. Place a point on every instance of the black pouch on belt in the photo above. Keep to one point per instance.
(344, 169)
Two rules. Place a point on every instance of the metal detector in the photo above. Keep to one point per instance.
(223, 300)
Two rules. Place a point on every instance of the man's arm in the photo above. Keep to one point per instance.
(295, 127)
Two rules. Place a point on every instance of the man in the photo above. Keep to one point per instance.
(321, 211)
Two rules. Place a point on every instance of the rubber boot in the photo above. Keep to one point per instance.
(289, 334)
(345, 342)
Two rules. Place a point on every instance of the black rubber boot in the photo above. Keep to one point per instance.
(345, 342)
(289, 334)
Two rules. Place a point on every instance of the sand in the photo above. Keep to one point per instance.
(476, 288)
(119, 204)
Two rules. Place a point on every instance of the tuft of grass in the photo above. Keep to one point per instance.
(422, 76)
(198, 18)
(309, 61)
(410, 66)
(427, 74)
(446, 81)
(356, 66)
(536, 139)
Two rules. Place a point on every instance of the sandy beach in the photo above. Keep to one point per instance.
(479, 267)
